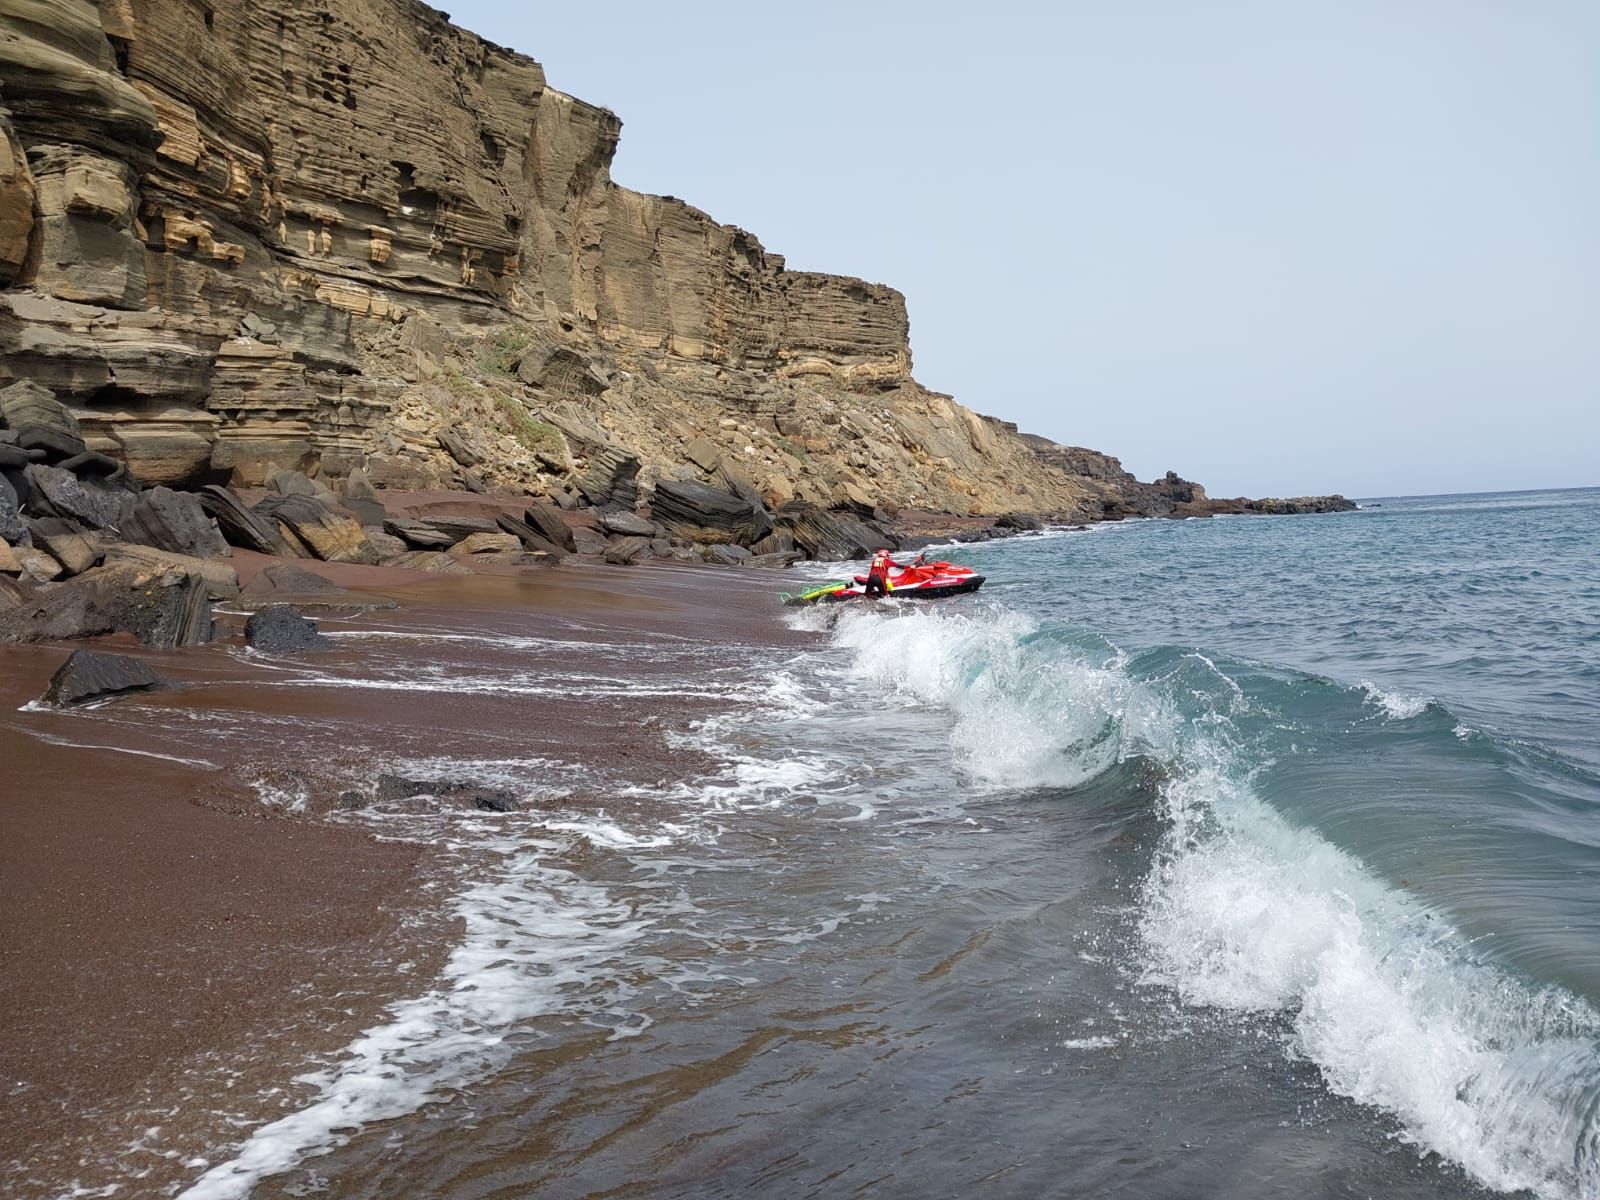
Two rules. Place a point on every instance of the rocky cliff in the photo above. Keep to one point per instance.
(236, 235)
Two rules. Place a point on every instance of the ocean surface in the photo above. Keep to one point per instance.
(1251, 857)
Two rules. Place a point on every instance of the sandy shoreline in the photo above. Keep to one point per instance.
(174, 947)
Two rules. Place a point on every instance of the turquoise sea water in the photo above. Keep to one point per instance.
(1377, 743)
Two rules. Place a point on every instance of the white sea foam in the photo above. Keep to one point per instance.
(1396, 705)
(538, 941)
(1017, 725)
(1241, 911)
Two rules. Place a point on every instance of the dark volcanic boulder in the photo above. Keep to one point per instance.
(242, 527)
(707, 514)
(831, 537)
(529, 536)
(91, 675)
(162, 607)
(627, 551)
(1018, 521)
(40, 421)
(95, 502)
(546, 518)
(175, 522)
(278, 629)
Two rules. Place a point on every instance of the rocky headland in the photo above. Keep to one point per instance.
(357, 253)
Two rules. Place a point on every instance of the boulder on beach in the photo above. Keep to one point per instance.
(95, 502)
(162, 607)
(530, 537)
(94, 675)
(831, 537)
(419, 535)
(175, 522)
(627, 524)
(706, 514)
(241, 526)
(285, 583)
(330, 536)
(627, 551)
(278, 629)
(222, 580)
(435, 561)
(546, 518)
(487, 543)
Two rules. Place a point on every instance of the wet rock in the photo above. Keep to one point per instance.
(398, 787)
(352, 802)
(329, 536)
(627, 551)
(547, 520)
(175, 522)
(163, 608)
(285, 583)
(222, 580)
(706, 514)
(628, 524)
(40, 421)
(494, 802)
(435, 561)
(242, 527)
(92, 675)
(780, 541)
(777, 561)
(1020, 521)
(278, 629)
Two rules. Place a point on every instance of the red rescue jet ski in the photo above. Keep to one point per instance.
(921, 580)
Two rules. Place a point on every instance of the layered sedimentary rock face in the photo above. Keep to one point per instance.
(235, 235)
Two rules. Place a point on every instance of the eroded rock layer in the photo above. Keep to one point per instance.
(237, 238)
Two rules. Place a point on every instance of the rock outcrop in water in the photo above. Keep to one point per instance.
(239, 238)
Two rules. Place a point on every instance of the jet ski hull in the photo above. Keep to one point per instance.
(934, 589)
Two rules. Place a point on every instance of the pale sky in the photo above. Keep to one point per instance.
(1279, 247)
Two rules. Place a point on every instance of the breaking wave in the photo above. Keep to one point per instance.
(1250, 910)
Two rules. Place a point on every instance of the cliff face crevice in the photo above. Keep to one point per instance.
(235, 235)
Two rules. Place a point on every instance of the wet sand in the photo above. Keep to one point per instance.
(172, 949)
